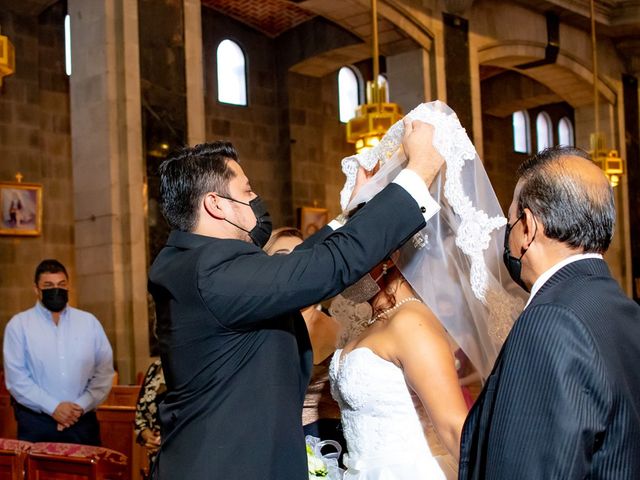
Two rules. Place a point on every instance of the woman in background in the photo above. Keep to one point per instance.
(320, 414)
(146, 423)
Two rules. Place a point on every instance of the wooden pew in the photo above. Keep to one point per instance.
(66, 461)
(13, 454)
(116, 416)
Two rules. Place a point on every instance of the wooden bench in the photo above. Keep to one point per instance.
(116, 416)
(13, 454)
(67, 461)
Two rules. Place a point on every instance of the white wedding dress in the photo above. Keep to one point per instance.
(382, 424)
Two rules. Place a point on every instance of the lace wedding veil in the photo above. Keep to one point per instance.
(455, 263)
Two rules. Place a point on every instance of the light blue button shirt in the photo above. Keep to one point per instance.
(45, 364)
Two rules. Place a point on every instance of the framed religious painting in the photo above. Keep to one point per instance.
(21, 208)
(312, 219)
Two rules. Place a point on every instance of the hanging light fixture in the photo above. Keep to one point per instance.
(7, 57)
(608, 160)
(376, 116)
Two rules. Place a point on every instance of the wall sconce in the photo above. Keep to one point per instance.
(7, 58)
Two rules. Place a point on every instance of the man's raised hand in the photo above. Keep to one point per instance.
(423, 157)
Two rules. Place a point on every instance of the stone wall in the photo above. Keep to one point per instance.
(253, 129)
(35, 140)
(500, 160)
(318, 142)
(163, 100)
(288, 137)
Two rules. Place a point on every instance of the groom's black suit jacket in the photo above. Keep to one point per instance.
(235, 351)
(563, 400)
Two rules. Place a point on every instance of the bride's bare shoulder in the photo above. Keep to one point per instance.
(415, 319)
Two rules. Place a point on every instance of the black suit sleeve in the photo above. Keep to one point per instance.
(552, 400)
(253, 287)
(316, 238)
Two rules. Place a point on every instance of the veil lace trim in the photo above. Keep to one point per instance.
(477, 229)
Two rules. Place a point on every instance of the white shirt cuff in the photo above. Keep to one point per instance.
(334, 224)
(415, 186)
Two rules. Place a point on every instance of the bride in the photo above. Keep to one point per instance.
(382, 378)
(397, 359)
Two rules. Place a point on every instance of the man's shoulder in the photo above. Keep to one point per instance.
(588, 297)
(172, 259)
(21, 317)
(82, 315)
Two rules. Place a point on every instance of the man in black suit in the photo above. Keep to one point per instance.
(563, 400)
(235, 350)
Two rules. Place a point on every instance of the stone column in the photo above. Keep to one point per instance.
(193, 63)
(409, 75)
(110, 231)
(458, 69)
(632, 138)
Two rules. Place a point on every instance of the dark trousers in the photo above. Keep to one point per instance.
(40, 427)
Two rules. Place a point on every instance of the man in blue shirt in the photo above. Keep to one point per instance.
(58, 364)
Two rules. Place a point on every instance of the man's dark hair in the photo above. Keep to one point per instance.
(186, 176)
(573, 208)
(49, 265)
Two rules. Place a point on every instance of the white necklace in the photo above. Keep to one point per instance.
(395, 307)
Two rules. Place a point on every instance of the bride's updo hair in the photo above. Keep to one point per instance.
(387, 275)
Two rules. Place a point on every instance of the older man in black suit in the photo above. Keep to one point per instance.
(235, 350)
(563, 400)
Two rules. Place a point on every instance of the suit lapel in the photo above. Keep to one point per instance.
(587, 267)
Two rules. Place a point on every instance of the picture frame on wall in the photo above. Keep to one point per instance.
(20, 209)
(312, 219)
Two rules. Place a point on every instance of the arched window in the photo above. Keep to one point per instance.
(544, 133)
(348, 93)
(520, 122)
(232, 73)
(565, 132)
(67, 44)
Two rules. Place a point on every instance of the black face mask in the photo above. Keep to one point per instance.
(513, 264)
(262, 231)
(55, 299)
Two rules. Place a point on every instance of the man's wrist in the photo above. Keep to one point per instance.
(413, 184)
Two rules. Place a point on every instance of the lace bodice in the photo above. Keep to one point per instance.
(379, 416)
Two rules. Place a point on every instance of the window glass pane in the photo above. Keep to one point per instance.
(520, 132)
(67, 44)
(232, 81)
(543, 131)
(347, 93)
(565, 132)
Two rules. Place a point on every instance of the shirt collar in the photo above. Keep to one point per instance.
(542, 279)
(48, 314)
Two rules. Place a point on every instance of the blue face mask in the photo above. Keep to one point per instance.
(262, 231)
(513, 264)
